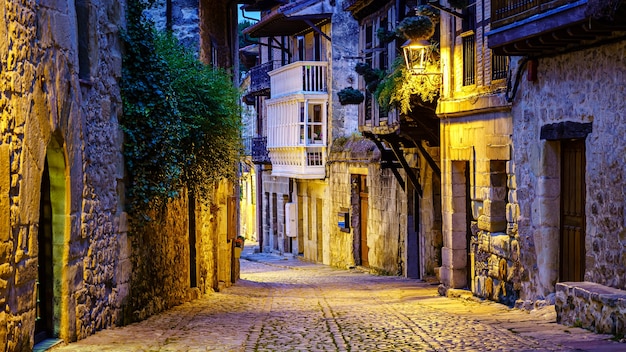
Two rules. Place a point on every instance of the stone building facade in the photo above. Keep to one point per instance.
(531, 215)
(481, 246)
(65, 251)
(288, 192)
(584, 89)
(71, 262)
(401, 232)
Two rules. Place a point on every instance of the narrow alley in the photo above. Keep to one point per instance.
(284, 304)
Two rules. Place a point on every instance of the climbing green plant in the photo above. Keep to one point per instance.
(180, 119)
(396, 89)
(209, 107)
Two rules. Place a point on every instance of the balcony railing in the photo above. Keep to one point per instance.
(299, 162)
(299, 77)
(260, 154)
(503, 9)
(542, 27)
(259, 78)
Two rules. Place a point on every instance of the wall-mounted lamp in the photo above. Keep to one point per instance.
(416, 54)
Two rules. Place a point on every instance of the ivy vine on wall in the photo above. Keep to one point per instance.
(181, 118)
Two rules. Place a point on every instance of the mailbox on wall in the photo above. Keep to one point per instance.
(343, 220)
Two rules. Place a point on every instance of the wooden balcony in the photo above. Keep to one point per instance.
(538, 28)
(299, 77)
(302, 162)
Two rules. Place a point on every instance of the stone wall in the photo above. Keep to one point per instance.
(593, 306)
(60, 103)
(316, 220)
(343, 119)
(162, 253)
(183, 20)
(478, 190)
(275, 191)
(587, 87)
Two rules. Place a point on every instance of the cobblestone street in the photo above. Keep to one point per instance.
(283, 304)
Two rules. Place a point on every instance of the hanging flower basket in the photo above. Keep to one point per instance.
(371, 76)
(349, 96)
(385, 36)
(430, 12)
(416, 27)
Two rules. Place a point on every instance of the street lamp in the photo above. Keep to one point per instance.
(416, 54)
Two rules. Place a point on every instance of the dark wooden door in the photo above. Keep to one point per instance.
(363, 196)
(572, 239)
(44, 324)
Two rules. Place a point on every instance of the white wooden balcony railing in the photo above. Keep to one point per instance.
(299, 77)
(297, 120)
(299, 162)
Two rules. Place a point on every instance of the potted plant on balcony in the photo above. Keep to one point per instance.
(420, 26)
(416, 27)
(349, 96)
(371, 76)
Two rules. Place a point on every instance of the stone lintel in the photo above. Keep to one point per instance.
(498, 152)
(461, 153)
(565, 130)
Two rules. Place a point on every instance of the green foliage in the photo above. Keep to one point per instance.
(400, 85)
(385, 36)
(371, 76)
(350, 95)
(416, 27)
(432, 13)
(181, 118)
(209, 108)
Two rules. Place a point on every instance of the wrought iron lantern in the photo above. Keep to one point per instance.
(416, 54)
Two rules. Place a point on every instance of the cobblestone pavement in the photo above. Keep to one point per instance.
(284, 304)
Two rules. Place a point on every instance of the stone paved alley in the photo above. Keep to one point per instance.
(283, 304)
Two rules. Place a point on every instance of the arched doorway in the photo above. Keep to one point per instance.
(51, 240)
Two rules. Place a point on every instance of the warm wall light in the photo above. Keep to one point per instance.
(416, 54)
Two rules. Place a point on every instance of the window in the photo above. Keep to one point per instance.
(311, 123)
(82, 24)
(499, 66)
(270, 49)
(469, 44)
(469, 16)
(317, 47)
(301, 48)
(469, 60)
(375, 50)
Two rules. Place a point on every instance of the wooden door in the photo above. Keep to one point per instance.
(363, 196)
(572, 239)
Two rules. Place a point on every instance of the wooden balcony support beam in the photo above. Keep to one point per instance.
(395, 147)
(429, 159)
(384, 151)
